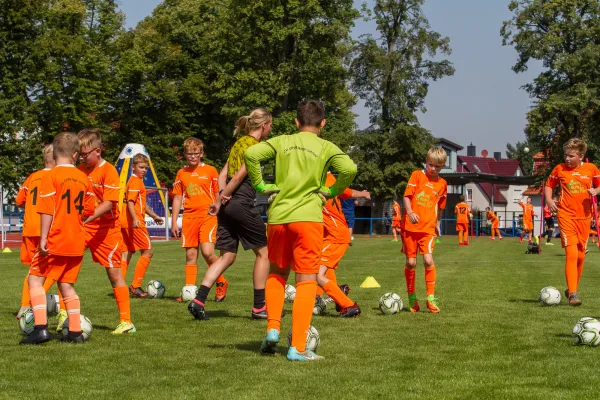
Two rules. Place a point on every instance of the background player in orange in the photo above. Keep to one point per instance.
(103, 229)
(133, 225)
(462, 212)
(335, 243)
(493, 220)
(528, 215)
(63, 195)
(549, 222)
(28, 199)
(195, 189)
(396, 221)
(577, 181)
(424, 198)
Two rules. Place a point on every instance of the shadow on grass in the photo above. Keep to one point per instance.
(103, 328)
(523, 300)
(252, 347)
(563, 335)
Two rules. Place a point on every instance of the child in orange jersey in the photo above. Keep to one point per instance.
(103, 233)
(336, 240)
(28, 199)
(424, 197)
(493, 220)
(549, 223)
(528, 215)
(396, 221)
(577, 180)
(133, 225)
(463, 213)
(63, 195)
(195, 189)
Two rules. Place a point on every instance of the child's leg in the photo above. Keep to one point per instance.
(302, 310)
(191, 265)
(460, 236)
(571, 271)
(141, 267)
(260, 275)
(38, 300)
(580, 260)
(275, 296)
(332, 289)
(72, 305)
(212, 274)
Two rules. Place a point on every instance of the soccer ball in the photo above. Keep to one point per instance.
(86, 327)
(27, 321)
(526, 149)
(155, 289)
(188, 292)
(587, 332)
(390, 303)
(290, 293)
(313, 339)
(320, 306)
(549, 296)
(52, 304)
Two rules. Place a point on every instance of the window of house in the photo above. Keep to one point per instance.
(517, 194)
(469, 195)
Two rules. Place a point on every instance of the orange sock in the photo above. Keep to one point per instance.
(74, 313)
(48, 284)
(124, 267)
(571, 267)
(580, 259)
(38, 303)
(191, 274)
(409, 274)
(122, 298)
(460, 236)
(337, 295)
(330, 274)
(319, 291)
(302, 312)
(25, 299)
(430, 276)
(275, 296)
(140, 270)
(61, 301)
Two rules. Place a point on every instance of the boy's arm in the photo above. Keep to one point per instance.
(549, 202)
(45, 223)
(252, 158)
(22, 195)
(99, 211)
(175, 208)
(131, 211)
(153, 215)
(222, 180)
(346, 170)
(413, 216)
(234, 182)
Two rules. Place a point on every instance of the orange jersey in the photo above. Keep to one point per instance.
(135, 192)
(491, 216)
(574, 202)
(335, 228)
(29, 196)
(65, 193)
(528, 212)
(462, 211)
(197, 187)
(396, 216)
(427, 196)
(105, 186)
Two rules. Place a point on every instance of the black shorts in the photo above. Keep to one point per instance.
(549, 223)
(238, 222)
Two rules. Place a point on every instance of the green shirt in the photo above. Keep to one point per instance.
(301, 164)
(236, 155)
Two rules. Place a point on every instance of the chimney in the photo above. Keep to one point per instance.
(471, 150)
(497, 155)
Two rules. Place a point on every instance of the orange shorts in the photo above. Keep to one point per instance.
(527, 226)
(462, 226)
(195, 231)
(413, 241)
(396, 223)
(332, 254)
(106, 245)
(495, 224)
(574, 231)
(135, 239)
(29, 247)
(59, 268)
(298, 244)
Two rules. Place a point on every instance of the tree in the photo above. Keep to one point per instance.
(525, 157)
(392, 75)
(564, 36)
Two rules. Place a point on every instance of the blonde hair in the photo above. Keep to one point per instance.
(252, 122)
(90, 138)
(578, 145)
(193, 143)
(65, 145)
(437, 155)
(140, 159)
(48, 154)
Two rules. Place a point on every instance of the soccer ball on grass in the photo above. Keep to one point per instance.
(313, 339)
(390, 303)
(156, 289)
(549, 296)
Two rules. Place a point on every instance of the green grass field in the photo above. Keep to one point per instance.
(491, 340)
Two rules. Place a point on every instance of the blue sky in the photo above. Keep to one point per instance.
(482, 103)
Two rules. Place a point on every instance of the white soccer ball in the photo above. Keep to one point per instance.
(313, 339)
(27, 322)
(549, 296)
(156, 289)
(52, 304)
(587, 332)
(290, 293)
(390, 303)
(526, 149)
(188, 293)
(86, 327)
(320, 306)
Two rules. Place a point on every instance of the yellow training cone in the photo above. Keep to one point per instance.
(6, 250)
(370, 283)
